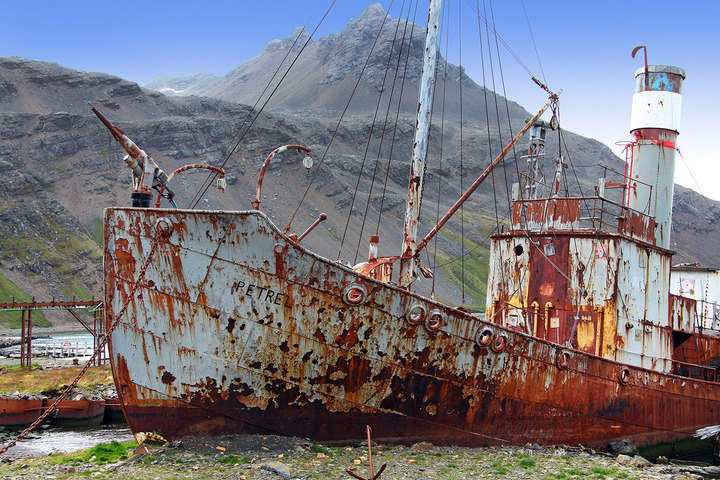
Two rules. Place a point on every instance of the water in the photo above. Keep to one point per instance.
(78, 344)
(54, 440)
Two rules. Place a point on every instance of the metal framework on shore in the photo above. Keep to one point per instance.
(27, 307)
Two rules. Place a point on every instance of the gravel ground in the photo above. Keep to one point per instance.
(271, 458)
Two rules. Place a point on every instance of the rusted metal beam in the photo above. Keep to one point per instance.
(482, 177)
(22, 338)
(28, 353)
(321, 218)
(82, 322)
(50, 304)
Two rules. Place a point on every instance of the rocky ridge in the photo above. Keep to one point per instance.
(60, 168)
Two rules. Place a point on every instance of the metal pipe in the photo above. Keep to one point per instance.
(321, 218)
(482, 177)
(256, 202)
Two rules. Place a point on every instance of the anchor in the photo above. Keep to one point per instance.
(370, 470)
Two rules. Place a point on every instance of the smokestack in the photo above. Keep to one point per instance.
(654, 124)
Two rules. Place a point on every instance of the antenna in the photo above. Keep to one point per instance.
(634, 52)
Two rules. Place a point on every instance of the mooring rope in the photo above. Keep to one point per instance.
(100, 348)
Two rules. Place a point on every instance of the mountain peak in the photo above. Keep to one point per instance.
(372, 13)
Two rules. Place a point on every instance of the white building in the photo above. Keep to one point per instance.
(700, 284)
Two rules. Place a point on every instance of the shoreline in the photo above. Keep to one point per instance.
(270, 457)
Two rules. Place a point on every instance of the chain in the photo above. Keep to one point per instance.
(100, 348)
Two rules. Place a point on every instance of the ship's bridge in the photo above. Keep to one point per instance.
(605, 212)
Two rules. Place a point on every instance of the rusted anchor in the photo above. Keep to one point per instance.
(372, 476)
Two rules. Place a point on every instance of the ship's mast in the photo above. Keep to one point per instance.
(422, 128)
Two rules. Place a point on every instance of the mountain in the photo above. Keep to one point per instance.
(183, 84)
(59, 167)
(329, 67)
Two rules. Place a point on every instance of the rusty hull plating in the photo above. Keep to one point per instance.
(234, 328)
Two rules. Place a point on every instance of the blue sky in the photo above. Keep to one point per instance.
(584, 48)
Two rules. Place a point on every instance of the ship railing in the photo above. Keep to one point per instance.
(582, 214)
(527, 320)
(693, 370)
(708, 316)
(607, 210)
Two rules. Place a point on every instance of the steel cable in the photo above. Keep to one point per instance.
(342, 115)
(211, 177)
(372, 125)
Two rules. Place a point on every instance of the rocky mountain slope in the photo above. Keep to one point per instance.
(59, 168)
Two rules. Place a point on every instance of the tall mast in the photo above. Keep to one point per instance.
(422, 128)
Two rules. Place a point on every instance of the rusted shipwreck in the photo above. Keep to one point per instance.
(222, 323)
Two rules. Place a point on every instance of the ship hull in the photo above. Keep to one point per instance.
(232, 328)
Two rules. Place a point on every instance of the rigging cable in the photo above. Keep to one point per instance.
(372, 127)
(532, 37)
(394, 135)
(387, 114)
(497, 107)
(462, 173)
(693, 177)
(487, 120)
(212, 176)
(442, 137)
(507, 107)
(342, 115)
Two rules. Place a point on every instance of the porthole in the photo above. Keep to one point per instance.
(435, 321)
(416, 315)
(484, 337)
(499, 343)
(354, 294)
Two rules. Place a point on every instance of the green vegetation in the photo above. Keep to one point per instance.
(318, 449)
(96, 230)
(602, 470)
(499, 468)
(526, 462)
(10, 291)
(109, 452)
(35, 381)
(100, 453)
(49, 243)
(233, 460)
(574, 471)
(477, 258)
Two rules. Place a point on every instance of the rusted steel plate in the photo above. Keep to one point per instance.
(234, 328)
(546, 214)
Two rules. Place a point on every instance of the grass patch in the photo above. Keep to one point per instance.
(526, 462)
(10, 291)
(334, 235)
(475, 275)
(574, 471)
(233, 460)
(51, 243)
(499, 468)
(109, 452)
(598, 470)
(64, 458)
(96, 230)
(319, 449)
(14, 378)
